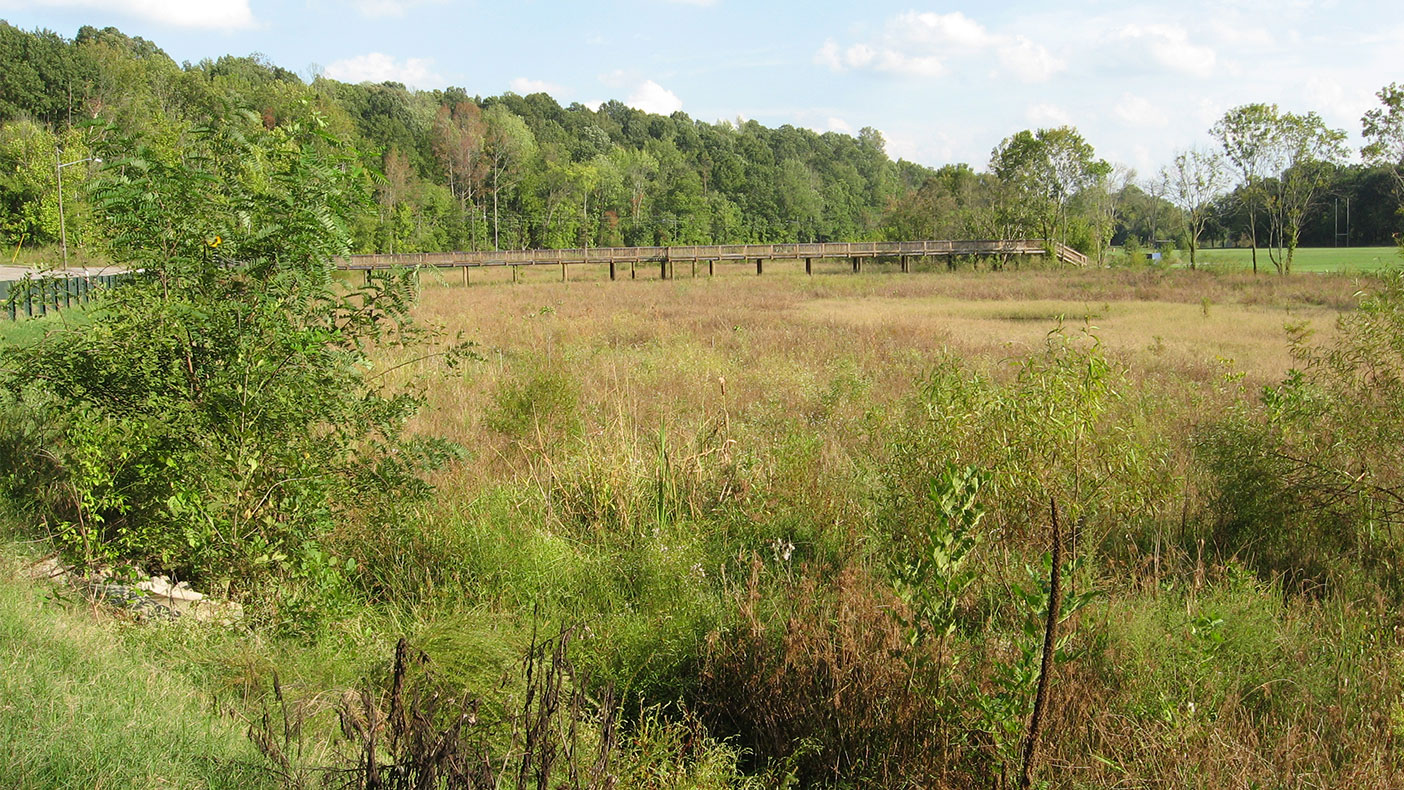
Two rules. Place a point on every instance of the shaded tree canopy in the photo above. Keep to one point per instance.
(469, 172)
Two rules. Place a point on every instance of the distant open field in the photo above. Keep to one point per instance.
(1309, 259)
(778, 338)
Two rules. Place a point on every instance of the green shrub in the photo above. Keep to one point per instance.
(218, 418)
(1310, 482)
(540, 402)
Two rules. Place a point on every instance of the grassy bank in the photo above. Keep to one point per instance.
(79, 707)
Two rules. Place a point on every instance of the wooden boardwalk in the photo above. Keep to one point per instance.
(666, 257)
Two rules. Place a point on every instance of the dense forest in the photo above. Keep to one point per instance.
(459, 171)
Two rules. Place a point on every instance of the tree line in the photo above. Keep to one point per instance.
(459, 171)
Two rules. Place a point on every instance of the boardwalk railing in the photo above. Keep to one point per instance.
(39, 296)
(855, 251)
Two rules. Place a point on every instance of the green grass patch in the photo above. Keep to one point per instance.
(1309, 259)
(79, 708)
(23, 331)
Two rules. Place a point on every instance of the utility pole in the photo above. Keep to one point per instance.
(1342, 235)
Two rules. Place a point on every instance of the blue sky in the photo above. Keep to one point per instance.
(944, 82)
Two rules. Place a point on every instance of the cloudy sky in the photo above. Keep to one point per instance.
(943, 81)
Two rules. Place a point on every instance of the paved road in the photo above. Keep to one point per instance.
(18, 272)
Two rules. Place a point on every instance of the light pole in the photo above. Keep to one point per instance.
(58, 170)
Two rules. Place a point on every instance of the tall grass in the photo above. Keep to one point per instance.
(78, 708)
(722, 488)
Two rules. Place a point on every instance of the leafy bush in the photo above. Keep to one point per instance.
(1310, 483)
(541, 403)
(220, 417)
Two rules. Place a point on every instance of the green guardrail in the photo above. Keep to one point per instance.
(38, 296)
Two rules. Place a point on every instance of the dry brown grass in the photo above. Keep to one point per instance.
(644, 352)
(783, 384)
(827, 352)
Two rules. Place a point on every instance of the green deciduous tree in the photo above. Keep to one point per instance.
(1047, 168)
(1383, 128)
(29, 200)
(458, 145)
(507, 146)
(1309, 153)
(1194, 182)
(1247, 134)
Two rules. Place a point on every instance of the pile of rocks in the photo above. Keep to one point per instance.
(151, 598)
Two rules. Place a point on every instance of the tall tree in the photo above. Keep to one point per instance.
(1047, 168)
(507, 146)
(1248, 136)
(1309, 153)
(457, 140)
(399, 179)
(1383, 128)
(1195, 181)
(1102, 201)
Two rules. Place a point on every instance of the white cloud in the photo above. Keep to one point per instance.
(1239, 32)
(828, 55)
(838, 125)
(892, 61)
(946, 31)
(1336, 103)
(379, 67)
(210, 14)
(1045, 115)
(388, 8)
(614, 79)
(1135, 110)
(925, 44)
(1028, 61)
(651, 97)
(524, 86)
(1171, 47)
(929, 146)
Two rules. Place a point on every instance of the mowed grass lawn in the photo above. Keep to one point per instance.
(1309, 259)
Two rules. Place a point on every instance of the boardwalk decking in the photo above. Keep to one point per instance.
(856, 252)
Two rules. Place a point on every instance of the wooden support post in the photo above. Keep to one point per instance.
(515, 275)
(366, 276)
(465, 276)
(906, 265)
(711, 268)
(633, 270)
(809, 266)
(663, 270)
(564, 275)
(613, 271)
(760, 265)
(694, 268)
